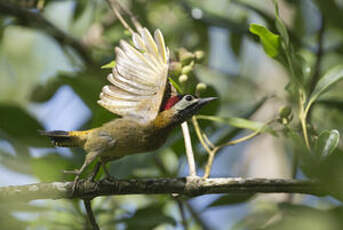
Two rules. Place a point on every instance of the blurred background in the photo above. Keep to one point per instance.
(51, 53)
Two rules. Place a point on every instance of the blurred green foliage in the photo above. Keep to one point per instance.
(49, 44)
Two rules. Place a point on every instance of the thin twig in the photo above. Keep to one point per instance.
(208, 141)
(182, 212)
(319, 54)
(189, 149)
(295, 163)
(174, 196)
(114, 4)
(239, 140)
(317, 65)
(90, 214)
(36, 20)
(199, 134)
(131, 15)
(196, 216)
(210, 162)
(212, 149)
(303, 112)
(95, 171)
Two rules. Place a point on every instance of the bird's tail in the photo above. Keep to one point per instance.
(67, 139)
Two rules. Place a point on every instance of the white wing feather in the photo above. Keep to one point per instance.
(139, 77)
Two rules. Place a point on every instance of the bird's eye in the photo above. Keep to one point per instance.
(189, 98)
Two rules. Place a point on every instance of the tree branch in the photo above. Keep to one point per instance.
(90, 215)
(190, 186)
(197, 217)
(319, 54)
(189, 149)
(181, 207)
(113, 4)
(36, 20)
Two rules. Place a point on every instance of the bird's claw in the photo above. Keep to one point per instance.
(75, 184)
(108, 175)
(110, 178)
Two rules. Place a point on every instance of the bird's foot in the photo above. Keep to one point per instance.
(76, 172)
(95, 171)
(75, 185)
(110, 178)
(107, 173)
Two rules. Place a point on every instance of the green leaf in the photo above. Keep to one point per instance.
(329, 79)
(17, 163)
(88, 87)
(331, 11)
(331, 103)
(109, 65)
(21, 126)
(327, 142)
(282, 30)
(255, 219)
(235, 122)
(269, 40)
(101, 116)
(50, 166)
(79, 8)
(132, 165)
(44, 92)
(85, 85)
(211, 108)
(280, 26)
(299, 217)
(176, 86)
(230, 199)
(147, 218)
(236, 42)
(228, 134)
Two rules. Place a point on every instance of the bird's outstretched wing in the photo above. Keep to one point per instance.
(139, 77)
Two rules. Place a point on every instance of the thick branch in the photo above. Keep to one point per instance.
(190, 186)
(36, 20)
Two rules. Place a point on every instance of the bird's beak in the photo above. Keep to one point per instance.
(204, 101)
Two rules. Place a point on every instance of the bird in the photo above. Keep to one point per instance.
(141, 94)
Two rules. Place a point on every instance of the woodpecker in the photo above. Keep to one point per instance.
(144, 98)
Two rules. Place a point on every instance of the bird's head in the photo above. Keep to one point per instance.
(180, 108)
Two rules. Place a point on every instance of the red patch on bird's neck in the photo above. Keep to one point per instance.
(171, 102)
